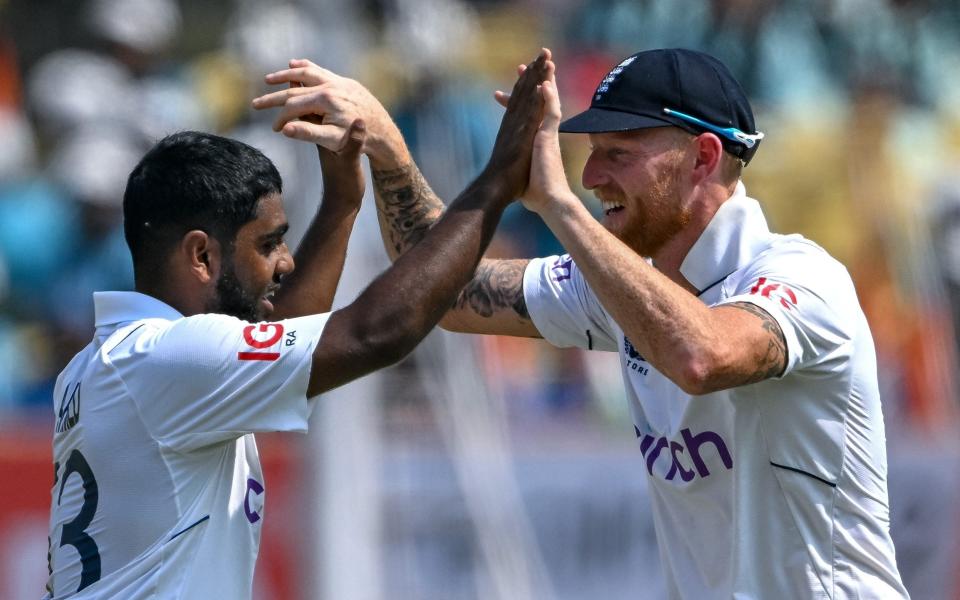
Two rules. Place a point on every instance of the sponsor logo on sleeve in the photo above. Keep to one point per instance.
(261, 339)
(775, 291)
(634, 359)
(253, 505)
(69, 413)
(562, 268)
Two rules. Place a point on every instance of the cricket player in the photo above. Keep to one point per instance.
(158, 491)
(748, 364)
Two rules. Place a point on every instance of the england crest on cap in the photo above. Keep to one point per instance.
(611, 76)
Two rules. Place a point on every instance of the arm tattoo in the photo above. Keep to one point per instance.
(774, 360)
(497, 285)
(406, 205)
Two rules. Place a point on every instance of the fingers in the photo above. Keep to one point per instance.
(297, 103)
(279, 98)
(543, 68)
(534, 73)
(543, 57)
(355, 137)
(305, 73)
(551, 106)
(330, 137)
(301, 62)
(551, 78)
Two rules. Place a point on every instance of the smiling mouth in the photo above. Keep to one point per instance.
(610, 208)
(267, 299)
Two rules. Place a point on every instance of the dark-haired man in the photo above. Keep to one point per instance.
(748, 363)
(158, 491)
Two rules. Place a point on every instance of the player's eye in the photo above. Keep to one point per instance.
(615, 153)
(271, 245)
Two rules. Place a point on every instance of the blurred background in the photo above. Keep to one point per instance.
(481, 467)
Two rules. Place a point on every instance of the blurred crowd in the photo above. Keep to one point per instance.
(860, 101)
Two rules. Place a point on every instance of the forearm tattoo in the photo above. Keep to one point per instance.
(774, 360)
(406, 204)
(497, 285)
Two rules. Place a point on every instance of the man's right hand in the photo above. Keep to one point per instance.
(319, 107)
(510, 159)
(548, 181)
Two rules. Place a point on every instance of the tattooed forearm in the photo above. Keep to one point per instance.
(774, 359)
(406, 206)
(497, 285)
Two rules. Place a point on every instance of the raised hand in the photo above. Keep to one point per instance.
(510, 159)
(319, 106)
(548, 181)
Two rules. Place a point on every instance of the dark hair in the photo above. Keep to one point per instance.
(193, 180)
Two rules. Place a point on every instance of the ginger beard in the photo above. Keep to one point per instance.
(653, 215)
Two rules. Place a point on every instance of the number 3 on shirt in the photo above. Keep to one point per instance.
(74, 533)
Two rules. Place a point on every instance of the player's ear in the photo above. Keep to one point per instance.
(201, 251)
(709, 151)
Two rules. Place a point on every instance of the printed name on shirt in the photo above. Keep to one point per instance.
(779, 291)
(266, 336)
(69, 413)
(561, 268)
(634, 358)
(652, 448)
(291, 338)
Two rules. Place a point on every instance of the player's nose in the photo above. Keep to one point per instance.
(286, 264)
(593, 176)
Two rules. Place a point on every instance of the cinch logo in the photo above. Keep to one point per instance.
(268, 335)
(562, 267)
(677, 453)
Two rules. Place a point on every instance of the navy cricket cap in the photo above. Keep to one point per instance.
(683, 88)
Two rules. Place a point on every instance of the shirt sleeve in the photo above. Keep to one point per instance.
(207, 378)
(812, 298)
(562, 306)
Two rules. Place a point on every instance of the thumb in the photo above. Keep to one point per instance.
(356, 136)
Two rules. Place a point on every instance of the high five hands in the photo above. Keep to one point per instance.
(547, 177)
(326, 109)
(513, 149)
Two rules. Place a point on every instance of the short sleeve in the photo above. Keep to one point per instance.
(208, 378)
(562, 306)
(812, 298)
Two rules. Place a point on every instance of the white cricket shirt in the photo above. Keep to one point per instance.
(158, 491)
(772, 490)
